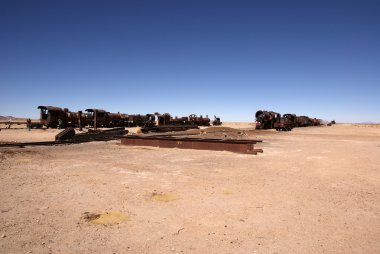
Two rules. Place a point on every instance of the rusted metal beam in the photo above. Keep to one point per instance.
(168, 128)
(80, 120)
(95, 119)
(66, 134)
(232, 145)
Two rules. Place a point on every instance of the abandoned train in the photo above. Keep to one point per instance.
(273, 120)
(56, 117)
(167, 119)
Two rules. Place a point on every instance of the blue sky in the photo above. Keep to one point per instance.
(228, 58)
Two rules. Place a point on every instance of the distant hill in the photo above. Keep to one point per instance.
(370, 122)
(12, 118)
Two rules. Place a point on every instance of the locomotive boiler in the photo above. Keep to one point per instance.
(54, 117)
(266, 119)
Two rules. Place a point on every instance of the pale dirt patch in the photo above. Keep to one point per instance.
(106, 218)
(164, 197)
(23, 135)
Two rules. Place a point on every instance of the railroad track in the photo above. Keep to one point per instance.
(53, 143)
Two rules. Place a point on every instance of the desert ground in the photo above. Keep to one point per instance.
(313, 190)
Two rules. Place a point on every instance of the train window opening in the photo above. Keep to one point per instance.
(44, 114)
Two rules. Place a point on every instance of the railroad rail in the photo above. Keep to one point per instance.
(245, 146)
(40, 143)
(53, 143)
(68, 136)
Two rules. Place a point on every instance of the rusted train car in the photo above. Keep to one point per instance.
(102, 118)
(167, 119)
(266, 119)
(140, 120)
(273, 120)
(303, 121)
(316, 122)
(199, 120)
(285, 122)
(107, 119)
(56, 117)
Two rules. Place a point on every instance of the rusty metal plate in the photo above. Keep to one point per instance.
(232, 145)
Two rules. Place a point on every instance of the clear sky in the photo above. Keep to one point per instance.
(228, 58)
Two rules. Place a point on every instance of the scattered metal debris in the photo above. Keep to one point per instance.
(66, 134)
(68, 137)
(69, 134)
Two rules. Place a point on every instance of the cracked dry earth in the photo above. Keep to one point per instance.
(313, 190)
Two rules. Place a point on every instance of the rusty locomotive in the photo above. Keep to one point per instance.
(216, 121)
(56, 117)
(167, 119)
(286, 122)
(266, 119)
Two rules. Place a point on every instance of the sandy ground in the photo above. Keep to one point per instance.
(23, 135)
(313, 190)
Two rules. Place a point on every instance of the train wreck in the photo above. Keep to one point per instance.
(69, 136)
(266, 119)
(96, 120)
(56, 117)
(274, 120)
(285, 123)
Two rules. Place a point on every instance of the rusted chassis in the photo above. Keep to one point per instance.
(283, 126)
(238, 146)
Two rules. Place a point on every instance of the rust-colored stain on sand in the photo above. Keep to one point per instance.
(107, 218)
(164, 197)
(227, 192)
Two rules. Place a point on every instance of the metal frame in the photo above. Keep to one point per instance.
(233, 145)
